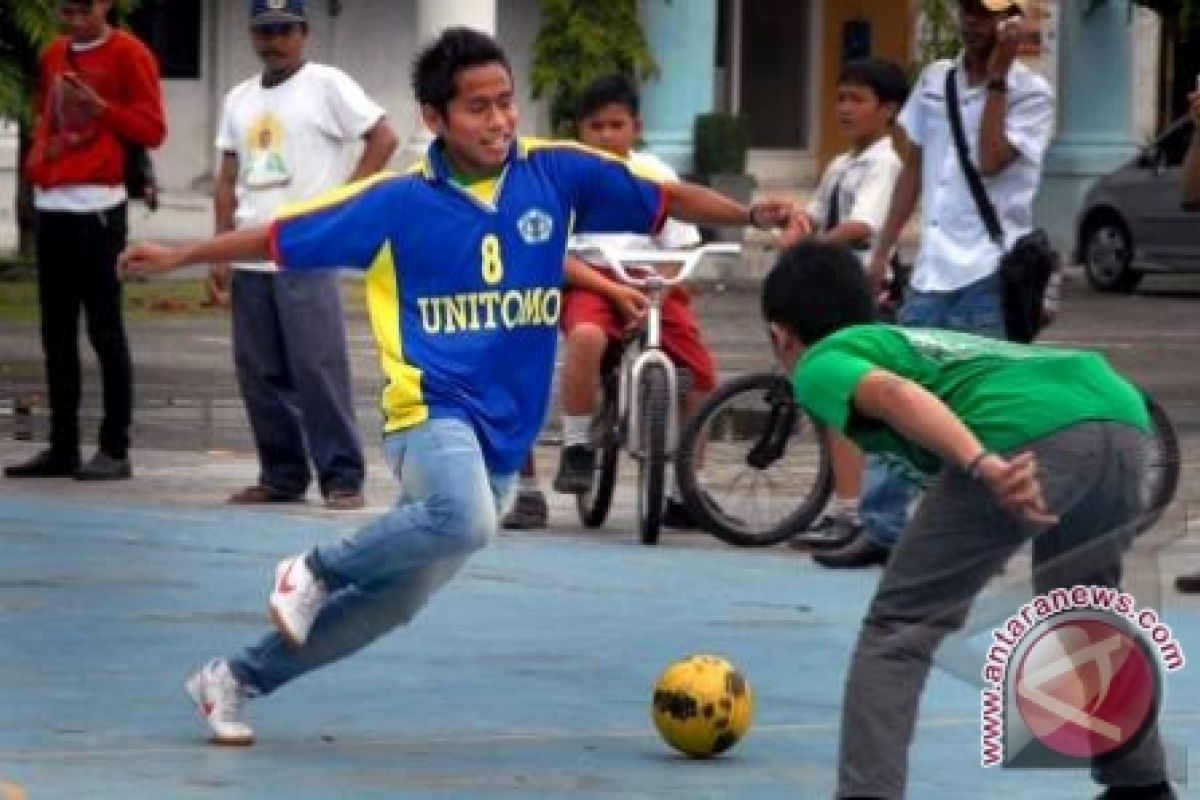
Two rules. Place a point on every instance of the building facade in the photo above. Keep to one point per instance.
(773, 61)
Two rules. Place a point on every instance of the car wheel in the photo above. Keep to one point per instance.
(1107, 255)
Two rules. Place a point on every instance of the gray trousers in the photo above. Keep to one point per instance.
(289, 347)
(958, 539)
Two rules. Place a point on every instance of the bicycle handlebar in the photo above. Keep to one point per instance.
(616, 259)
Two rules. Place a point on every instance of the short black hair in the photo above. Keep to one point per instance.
(437, 65)
(815, 289)
(606, 90)
(885, 79)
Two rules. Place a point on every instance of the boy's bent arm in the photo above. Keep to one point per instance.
(904, 202)
(923, 419)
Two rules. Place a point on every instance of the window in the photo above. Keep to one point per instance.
(173, 35)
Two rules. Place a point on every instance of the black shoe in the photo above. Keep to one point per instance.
(575, 469)
(1157, 791)
(861, 552)
(528, 513)
(1188, 584)
(104, 467)
(46, 464)
(828, 533)
(678, 515)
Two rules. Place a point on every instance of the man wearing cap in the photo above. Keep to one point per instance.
(98, 92)
(286, 135)
(1007, 112)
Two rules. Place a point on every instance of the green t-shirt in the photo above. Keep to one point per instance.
(1007, 394)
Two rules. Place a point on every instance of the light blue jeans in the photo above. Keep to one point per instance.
(380, 577)
(975, 308)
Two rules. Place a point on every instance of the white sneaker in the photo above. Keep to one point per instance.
(219, 699)
(296, 599)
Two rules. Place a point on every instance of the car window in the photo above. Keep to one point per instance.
(1174, 144)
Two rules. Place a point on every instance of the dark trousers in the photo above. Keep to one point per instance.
(289, 346)
(959, 538)
(77, 268)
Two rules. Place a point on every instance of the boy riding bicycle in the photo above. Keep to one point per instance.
(599, 311)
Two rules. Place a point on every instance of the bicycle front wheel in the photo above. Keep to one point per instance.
(751, 466)
(652, 460)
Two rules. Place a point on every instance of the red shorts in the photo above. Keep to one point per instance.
(680, 333)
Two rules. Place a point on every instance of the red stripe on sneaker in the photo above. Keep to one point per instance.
(284, 586)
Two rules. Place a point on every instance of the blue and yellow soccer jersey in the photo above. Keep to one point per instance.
(464, 296)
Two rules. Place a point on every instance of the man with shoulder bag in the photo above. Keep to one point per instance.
(978, 127)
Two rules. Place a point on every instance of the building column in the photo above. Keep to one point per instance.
(434, 16)
(1096, 111)
(683, 38)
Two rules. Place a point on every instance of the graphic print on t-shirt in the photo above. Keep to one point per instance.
(266, 167)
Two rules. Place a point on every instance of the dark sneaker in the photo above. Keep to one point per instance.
(861, 552)
(678, 515)
(575, 469)
(344, 500)
(828, 533)
(1158, 791)
(104, 467)
(252, 495)
(46, 464)
(1188, 584)
(529, 512)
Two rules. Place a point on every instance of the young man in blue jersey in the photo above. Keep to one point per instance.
(464, 268)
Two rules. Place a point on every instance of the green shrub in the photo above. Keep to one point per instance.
(721, 144)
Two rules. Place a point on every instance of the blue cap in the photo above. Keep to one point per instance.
(274, 12)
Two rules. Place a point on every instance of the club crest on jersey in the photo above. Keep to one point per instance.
(535, 226)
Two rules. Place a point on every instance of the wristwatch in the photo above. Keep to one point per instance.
(997, 85)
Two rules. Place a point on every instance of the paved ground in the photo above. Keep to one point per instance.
(530, 676)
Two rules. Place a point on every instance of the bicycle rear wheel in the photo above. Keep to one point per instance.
(1163, 457)
(593, 505)
(751, 466)
(652, 460)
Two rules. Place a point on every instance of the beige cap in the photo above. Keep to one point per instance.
(1004, 5)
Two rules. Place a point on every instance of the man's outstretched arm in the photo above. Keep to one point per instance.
(146, 258)
(691, 202)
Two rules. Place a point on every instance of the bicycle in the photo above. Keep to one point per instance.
(754, 426)
(639, 388)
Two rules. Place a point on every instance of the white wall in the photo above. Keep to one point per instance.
(372, 40)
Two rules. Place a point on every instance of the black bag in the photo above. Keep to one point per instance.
(1026, 270)
(140, 180)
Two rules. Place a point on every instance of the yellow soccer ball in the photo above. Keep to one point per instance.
(702, 705)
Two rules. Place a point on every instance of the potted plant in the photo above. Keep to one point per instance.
(721, 141)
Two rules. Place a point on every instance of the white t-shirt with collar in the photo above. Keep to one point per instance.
(294, 140)
(675, 235)
(955, 247)
(864, 183)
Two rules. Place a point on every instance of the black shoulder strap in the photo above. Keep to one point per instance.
(833, 216)
(986, 210)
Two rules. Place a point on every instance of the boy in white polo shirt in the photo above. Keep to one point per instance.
(849, 207)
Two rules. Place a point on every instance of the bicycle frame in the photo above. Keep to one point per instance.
(656, 287)
(629, 405)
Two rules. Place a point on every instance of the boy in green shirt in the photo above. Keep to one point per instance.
(1017, 442)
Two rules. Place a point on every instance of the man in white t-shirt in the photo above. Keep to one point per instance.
(296, 130)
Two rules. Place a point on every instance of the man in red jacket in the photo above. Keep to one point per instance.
(98, 92)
